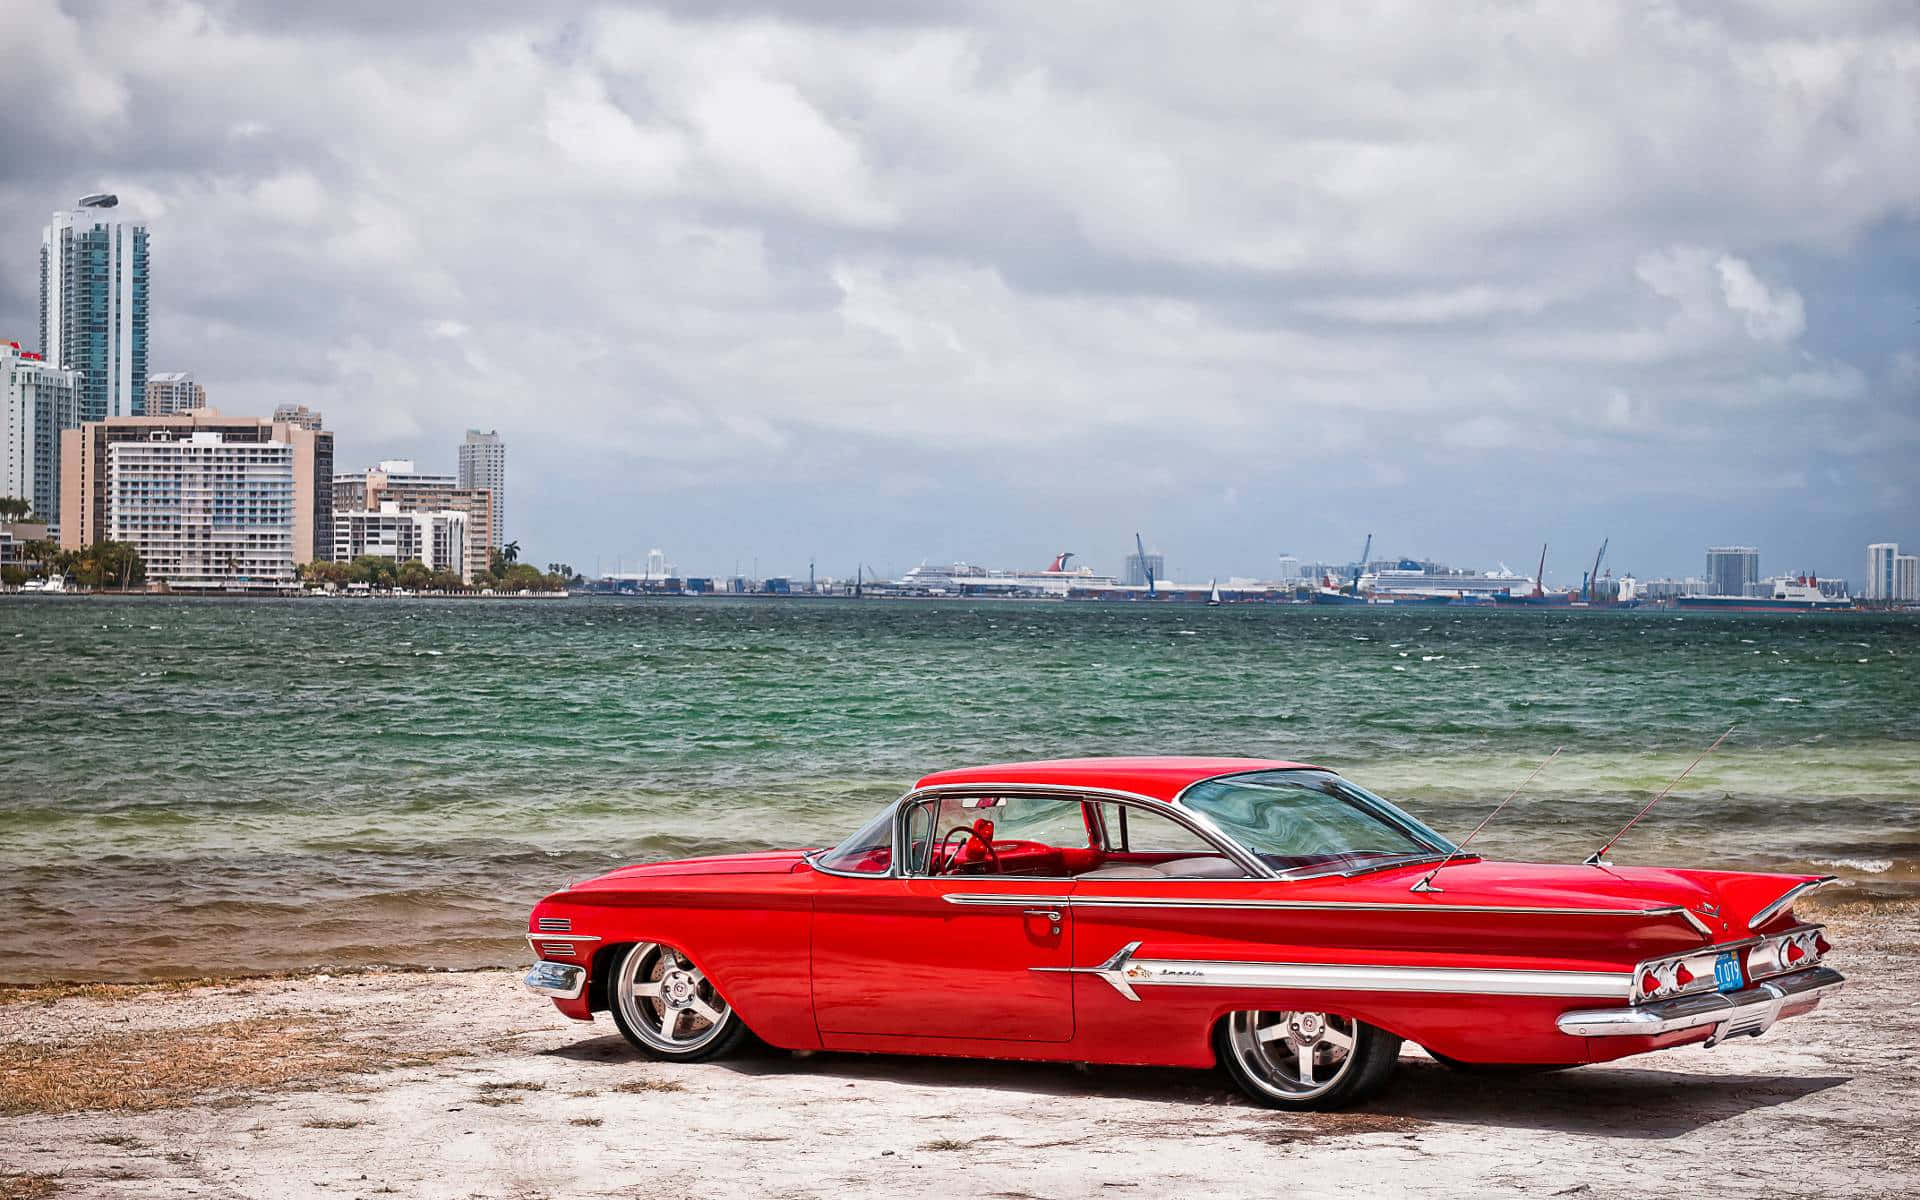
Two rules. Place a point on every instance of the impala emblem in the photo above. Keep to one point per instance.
(1709, 910)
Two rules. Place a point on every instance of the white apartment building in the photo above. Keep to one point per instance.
(37, 401)
(1881, 578)
(483, 464)
(437, 539)
(205, 514)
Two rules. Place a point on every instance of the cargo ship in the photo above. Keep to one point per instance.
(1789, 595)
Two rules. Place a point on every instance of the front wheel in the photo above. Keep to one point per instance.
(1305, 1060)
(668, 1008)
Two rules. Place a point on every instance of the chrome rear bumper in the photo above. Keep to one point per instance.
(561, 981)
(1749, 1012)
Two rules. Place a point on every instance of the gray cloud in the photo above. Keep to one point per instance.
(1008, 277)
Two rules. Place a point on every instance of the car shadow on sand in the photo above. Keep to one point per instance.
(1601, 1102)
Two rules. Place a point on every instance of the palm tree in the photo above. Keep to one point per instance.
(511, 552)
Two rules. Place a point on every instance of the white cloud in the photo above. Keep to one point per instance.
(1769, 315)
(1182, 242)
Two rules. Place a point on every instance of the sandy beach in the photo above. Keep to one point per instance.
(460, 1084)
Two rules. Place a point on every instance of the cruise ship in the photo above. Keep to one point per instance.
(1409, 583)
(965, 579)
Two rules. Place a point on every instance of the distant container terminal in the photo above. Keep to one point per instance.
(1366, 582)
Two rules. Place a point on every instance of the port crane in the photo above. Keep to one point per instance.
(1360, 568)
(1592, 585)
(1144, 568)
(1540, 573)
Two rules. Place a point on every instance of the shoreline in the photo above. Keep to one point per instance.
(459, 1083)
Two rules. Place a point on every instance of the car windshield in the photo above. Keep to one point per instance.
(869, 851)
(1304, 819)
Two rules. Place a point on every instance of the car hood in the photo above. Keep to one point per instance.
(1724, 901)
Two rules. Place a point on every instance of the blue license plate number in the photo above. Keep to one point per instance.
(1726, 971)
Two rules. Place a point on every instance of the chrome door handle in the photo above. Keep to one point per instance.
(1051, 914)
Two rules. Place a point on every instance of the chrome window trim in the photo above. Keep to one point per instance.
(1194, 823)
(1793, 893)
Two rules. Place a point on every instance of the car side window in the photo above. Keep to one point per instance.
(1139, 843)
(1003, 835)
(1130, 829)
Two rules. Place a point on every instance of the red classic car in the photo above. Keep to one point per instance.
(1272, 917)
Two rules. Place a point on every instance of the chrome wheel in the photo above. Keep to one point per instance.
(666, 1001)
(1292, 1055)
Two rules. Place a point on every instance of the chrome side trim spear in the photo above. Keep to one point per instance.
(1425, 882)
(1599, 857)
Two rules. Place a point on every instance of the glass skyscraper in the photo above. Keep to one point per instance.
(1731, 568)
(93, 307)
(483, 464)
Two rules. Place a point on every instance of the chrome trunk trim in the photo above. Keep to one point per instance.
(1749, 1012)
(1793, 893)
(1124, 973)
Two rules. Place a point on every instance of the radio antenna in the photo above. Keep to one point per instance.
(1599, 857)
(1425, 882)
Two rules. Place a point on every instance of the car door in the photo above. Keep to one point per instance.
(925, 954)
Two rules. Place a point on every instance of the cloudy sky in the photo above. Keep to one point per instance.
(878, 281)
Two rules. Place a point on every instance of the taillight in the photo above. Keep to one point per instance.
(1787, 952)
(1649, 983)
(1681, 975)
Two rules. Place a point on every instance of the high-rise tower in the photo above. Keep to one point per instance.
(93, 305)
(483, 464)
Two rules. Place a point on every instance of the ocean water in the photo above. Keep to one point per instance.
(211, 786)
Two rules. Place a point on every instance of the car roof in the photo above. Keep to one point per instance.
(1157, 778)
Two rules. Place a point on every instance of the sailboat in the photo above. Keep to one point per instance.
(1213, 593)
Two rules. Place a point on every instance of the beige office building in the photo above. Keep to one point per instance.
(170, 392)
(90, 492)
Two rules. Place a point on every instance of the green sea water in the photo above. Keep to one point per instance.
(211, 786)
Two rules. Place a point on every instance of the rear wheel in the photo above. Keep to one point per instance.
(1305, 1060)
(668, 1008)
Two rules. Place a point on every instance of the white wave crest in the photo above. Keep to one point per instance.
(1870, 866)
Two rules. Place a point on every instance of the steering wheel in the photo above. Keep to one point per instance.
(986, 843)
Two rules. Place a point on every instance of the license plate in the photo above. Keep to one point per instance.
(1726, 971)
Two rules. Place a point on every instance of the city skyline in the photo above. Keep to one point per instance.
(865, 287)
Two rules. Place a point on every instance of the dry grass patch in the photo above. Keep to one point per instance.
(134, 1072)
(634, 1086)
(586, 1122)
(332, 1123)
(946, 1143)
(26, 1187)
(513, 1087)
(119, 1140)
